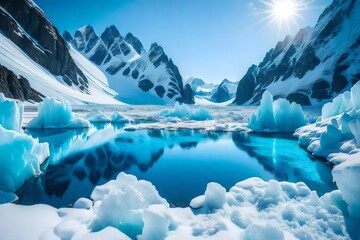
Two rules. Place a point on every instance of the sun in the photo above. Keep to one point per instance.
(284, 9)
(285, 13)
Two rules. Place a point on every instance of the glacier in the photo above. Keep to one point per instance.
(277, 116)
(20, 154)
(56, 114)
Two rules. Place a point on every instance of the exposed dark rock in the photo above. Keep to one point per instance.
(160, 90)
(126, 71)
(307, 62)
(188, 95)
(145, 85)
(18, 88)
(125, 48)
(115, 68)
(135, 43)
(110, 34)
(246, 86)
(320, 90)
(135, 74)
(100, 54)
(299, 98)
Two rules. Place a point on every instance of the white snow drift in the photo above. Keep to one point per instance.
(277, 116)
(56, 114)
(20, 154)
(252, 209)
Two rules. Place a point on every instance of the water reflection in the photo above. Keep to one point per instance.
(178, 163)
(281, 155)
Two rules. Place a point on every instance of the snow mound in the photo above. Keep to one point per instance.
(276, 116)
(56, 114)
(11, 114)
(184, 112)
(252, 209)
(130, 198)
(214, 198)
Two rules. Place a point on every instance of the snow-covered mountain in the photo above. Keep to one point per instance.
(138, 76)
(35, 61)
(201, 88)
(225, 91)
(314, 66)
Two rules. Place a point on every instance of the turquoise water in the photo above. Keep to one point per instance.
(178, 163)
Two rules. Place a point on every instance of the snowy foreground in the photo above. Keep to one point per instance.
(253, 209)
(126, 207)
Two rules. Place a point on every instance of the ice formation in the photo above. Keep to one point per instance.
(20, 154)
(97, 118)
(182, 111)
(10, 114)
(119, 118)
(336, 136)
(130, 198)
(56, 114)
(345, 102)
(276, 116)
(252, 209)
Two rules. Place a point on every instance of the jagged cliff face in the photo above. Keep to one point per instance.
(138, 76)
(25, 24)
(314, 66)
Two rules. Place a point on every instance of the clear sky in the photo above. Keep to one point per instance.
(209, 39)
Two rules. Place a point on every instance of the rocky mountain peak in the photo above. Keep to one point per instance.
(110, 34)
(135, 43)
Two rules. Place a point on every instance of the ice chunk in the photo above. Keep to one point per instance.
(97, 118)
(355, 130)
(183, 111)
(277, 116)
(20, 158)
(130, 198)
(347, 176)
(10, 114)
(119, 118)
(343, 103)
(56, 114)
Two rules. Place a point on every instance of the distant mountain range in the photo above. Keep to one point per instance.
(314, 66)
(217, 93)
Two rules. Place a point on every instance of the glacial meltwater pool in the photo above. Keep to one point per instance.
(178, 163)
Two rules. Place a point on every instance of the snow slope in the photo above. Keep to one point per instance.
(44, 82)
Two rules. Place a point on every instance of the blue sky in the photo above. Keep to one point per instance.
(209, 39)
